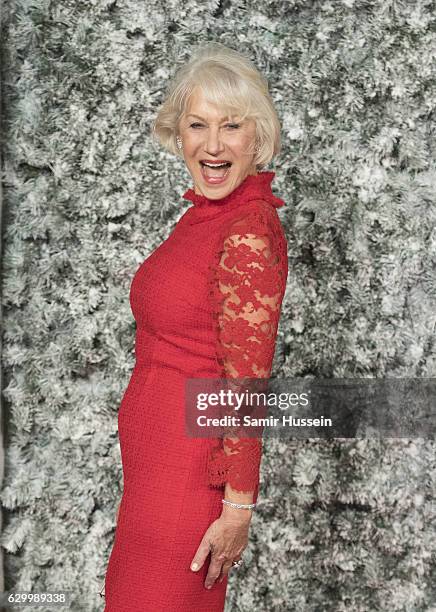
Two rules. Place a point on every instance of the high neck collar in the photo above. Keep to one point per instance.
(252, 187)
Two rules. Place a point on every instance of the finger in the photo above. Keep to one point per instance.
(224, 570)
(200, 555)
(213, 571)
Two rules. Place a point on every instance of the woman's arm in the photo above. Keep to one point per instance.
(247, 287)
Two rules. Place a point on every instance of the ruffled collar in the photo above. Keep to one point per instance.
(254, 186)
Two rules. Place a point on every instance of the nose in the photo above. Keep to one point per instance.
(213, 144)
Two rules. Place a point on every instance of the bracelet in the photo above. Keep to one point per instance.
(235, 505)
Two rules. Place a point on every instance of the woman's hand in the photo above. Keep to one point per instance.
(225, 539)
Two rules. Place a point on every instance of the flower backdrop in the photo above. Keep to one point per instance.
(342, 524)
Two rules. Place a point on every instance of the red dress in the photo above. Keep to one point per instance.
(207, 304)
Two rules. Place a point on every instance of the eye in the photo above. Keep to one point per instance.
(233, 126)
(195, 125)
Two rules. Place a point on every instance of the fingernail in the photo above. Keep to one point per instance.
(209, 587)
(194, 566)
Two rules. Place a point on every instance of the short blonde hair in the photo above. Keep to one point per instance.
(231, 82)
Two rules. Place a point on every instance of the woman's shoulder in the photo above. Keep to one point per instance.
(253, 216)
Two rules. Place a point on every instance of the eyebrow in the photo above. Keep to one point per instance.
(201, 118)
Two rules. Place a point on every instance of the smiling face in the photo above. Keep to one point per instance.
(211, 139)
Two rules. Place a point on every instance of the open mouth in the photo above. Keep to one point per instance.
(215, 172)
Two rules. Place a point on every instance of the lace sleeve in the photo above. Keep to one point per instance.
(247, 284)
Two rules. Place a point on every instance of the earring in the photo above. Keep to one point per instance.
(179, 142)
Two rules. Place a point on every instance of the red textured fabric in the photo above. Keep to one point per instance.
(207, 304)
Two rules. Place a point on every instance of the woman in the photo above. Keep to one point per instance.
(207, 305)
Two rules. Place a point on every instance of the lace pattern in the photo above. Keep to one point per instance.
(247, 284)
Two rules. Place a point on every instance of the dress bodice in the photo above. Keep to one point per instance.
(207, 302)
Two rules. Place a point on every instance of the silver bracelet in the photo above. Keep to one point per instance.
(235, 505)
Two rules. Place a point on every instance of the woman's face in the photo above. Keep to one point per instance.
(208, 136)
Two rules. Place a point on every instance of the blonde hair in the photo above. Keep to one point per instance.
(231, 82)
